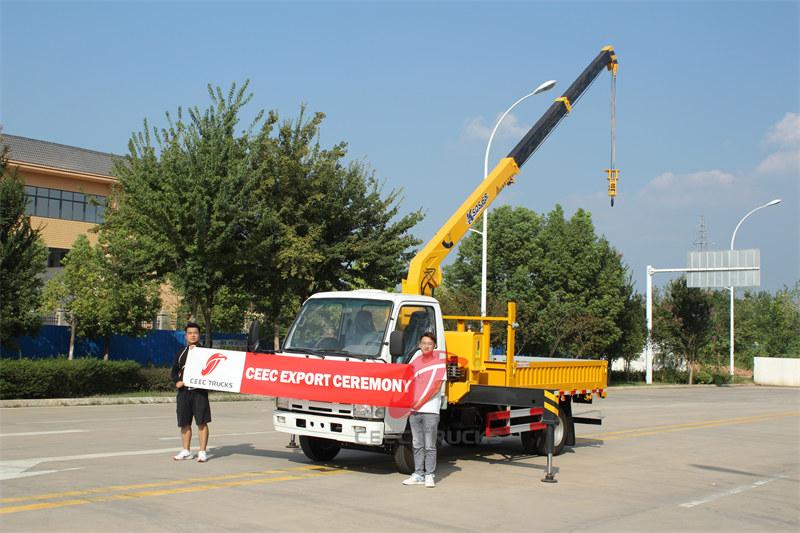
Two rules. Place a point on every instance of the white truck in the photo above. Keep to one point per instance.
(485, 396)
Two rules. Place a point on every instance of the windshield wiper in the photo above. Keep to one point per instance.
(311, 351)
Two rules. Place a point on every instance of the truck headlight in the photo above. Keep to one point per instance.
(368, 411)
(282, 403)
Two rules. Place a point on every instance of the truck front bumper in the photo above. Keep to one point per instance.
(366, 432)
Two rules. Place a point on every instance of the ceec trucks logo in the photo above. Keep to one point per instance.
(212, 363)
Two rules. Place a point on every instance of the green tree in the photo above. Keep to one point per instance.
(767, 325)
(633, 325)
(569, 284)
(23, 259)
(319, 222)
(682, 323)
(96, 300)
(182, 200)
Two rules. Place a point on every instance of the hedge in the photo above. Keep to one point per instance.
(61, 378)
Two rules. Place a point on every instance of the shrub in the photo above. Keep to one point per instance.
(61, 378)
(156, 379)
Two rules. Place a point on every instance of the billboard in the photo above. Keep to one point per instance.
(724, 259)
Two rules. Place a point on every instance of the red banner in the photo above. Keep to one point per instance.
(328, 381)
(354, 382)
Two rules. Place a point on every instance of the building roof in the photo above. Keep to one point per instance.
(50, 154)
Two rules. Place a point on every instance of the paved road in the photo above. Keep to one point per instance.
(674, 459)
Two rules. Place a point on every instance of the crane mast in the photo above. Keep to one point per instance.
(424, 273)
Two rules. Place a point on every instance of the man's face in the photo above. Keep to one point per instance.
(192, 336)
(426, 344)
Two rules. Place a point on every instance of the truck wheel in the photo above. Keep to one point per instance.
(559, 436)
(318, 449)
(404, 458)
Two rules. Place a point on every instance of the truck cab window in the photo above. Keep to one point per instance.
(413, 321)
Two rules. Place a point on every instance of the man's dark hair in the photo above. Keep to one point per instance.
(191, 325)
(430, 335)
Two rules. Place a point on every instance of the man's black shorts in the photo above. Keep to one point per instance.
(193, 403)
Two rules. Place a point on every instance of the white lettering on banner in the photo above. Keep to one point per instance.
(371, 383)
(319, 379)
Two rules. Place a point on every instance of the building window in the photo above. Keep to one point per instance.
(55, 256)
(66, 205)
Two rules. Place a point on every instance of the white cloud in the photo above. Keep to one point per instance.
(783, 162)
(786, 136)
(705, 178)
(476, 128)
(786, 132)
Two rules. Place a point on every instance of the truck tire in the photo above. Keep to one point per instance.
(404, 458)
(318, 449)
(559, 436)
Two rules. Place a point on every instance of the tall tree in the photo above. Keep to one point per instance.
(320, 223)
(569, 284)
(182, 201)
(632, 323)
(768, 325)
(683, 323)
(23, 258)
(97, 301)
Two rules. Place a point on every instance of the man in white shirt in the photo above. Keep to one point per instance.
(429, 373)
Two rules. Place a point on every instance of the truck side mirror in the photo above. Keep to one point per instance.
(253, 337)
(396, 344)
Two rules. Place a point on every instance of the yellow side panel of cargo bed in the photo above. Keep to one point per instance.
(563, 375)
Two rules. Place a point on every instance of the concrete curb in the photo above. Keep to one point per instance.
(121, 400)
(230, 397)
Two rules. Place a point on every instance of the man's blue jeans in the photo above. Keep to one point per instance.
(424, 428)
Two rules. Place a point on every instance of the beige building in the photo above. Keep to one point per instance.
(66, 189)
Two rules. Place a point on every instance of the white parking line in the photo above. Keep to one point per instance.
(731, 492)
(19, 467)
(215, 435)
(33, 433)
(120, 419)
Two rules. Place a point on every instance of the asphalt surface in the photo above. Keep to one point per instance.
(665, 459)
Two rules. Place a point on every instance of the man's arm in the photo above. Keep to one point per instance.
(175, 373)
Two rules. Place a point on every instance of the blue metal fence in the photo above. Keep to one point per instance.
(156, 348)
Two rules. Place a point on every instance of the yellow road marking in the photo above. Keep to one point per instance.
(654, 430)
(197, 484)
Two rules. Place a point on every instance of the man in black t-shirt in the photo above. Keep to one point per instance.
(191, 403)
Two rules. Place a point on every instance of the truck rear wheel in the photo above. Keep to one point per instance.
(559, 436)
(404, 458)
(318, 449)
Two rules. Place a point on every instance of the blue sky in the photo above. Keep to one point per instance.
(708, 104)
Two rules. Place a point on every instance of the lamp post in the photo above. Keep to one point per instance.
(546, 86)
(733, 238)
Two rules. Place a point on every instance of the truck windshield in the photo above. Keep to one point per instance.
(344, 326)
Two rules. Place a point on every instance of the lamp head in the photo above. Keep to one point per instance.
(546, 86)
(775, 201)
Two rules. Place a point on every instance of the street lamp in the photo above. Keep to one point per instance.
(776, 201)
(546, 86)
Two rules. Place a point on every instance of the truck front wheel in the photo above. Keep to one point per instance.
(404, 458)
(318, 449)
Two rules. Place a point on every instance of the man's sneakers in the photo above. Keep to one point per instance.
(202, 457)
(183, 455)
(415, 479)
(429, 481)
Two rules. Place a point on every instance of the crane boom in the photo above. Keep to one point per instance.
(424, 273)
